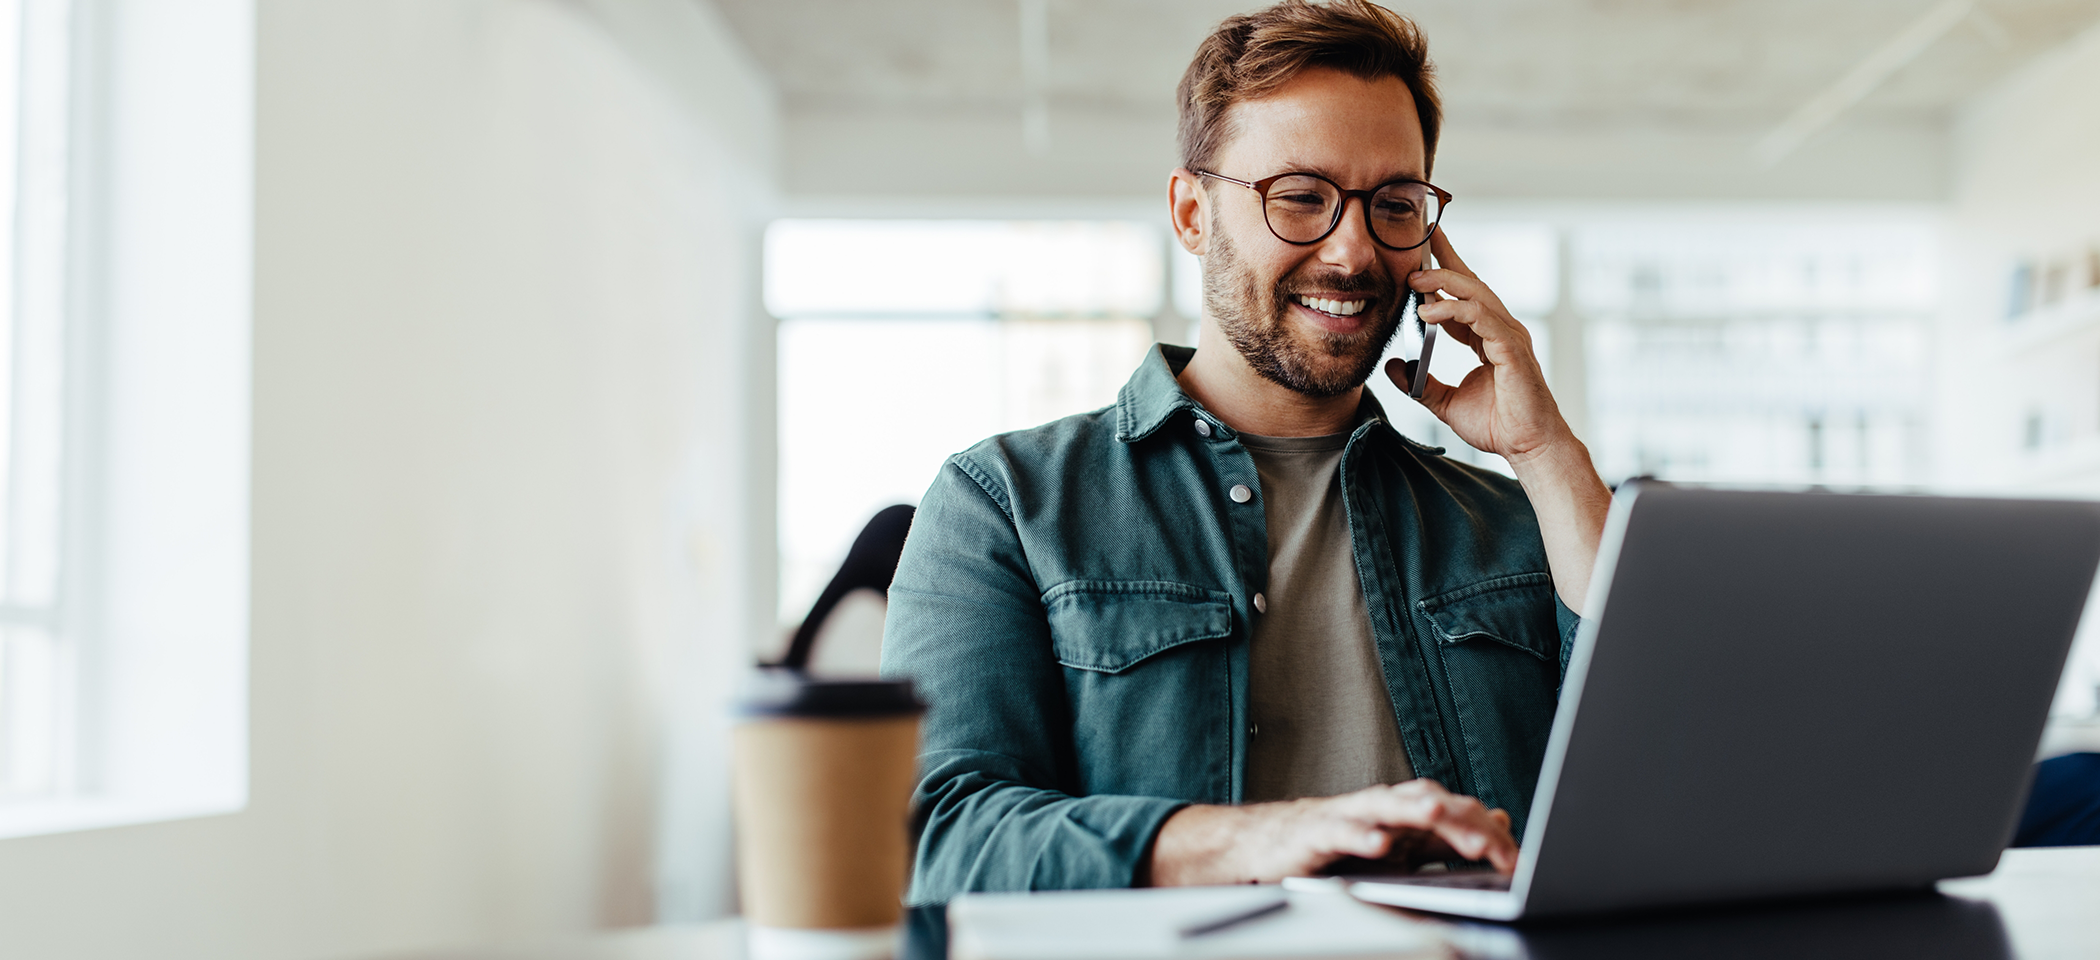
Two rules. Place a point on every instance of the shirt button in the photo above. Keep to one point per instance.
(1202, 427)
(1241, 493)
(1261, 604)
(1254, 729)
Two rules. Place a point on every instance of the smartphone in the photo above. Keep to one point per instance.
(1413, 309)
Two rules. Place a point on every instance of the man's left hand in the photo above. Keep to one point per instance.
(1502, 406)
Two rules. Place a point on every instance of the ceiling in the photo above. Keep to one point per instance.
(1544, 98)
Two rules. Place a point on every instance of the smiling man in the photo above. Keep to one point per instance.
(1234, 627)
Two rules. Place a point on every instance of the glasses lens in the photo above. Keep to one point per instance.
(1301, 208)
(1403, 213)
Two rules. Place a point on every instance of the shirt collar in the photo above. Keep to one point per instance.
(1152, 394)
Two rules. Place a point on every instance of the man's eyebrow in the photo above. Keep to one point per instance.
(1387, 177)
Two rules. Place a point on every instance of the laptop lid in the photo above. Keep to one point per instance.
(1788, 694)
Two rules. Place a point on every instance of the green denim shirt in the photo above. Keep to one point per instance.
(1074, 604)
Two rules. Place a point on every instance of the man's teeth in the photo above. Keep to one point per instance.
(1340, 308)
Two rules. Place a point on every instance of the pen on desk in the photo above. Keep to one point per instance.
(1233, 919)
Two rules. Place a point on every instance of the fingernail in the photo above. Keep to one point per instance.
(1372, 839)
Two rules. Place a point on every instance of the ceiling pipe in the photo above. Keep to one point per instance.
(1825, 107)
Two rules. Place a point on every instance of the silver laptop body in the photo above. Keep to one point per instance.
(1792, 694)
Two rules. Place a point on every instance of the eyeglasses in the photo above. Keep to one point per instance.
(1303, 208)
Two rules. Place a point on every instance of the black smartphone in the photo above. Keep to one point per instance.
(1411, 311)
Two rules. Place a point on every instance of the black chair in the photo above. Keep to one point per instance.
(870, 564)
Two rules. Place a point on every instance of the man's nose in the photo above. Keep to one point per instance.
(1350, 245)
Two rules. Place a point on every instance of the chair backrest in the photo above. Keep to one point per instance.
(871, 564)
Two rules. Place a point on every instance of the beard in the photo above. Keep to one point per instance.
(1256, 320)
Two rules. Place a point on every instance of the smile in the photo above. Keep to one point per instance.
(1338, 308)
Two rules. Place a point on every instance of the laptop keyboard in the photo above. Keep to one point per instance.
(1457, 879)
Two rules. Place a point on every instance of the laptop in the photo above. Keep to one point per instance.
(1781, 695)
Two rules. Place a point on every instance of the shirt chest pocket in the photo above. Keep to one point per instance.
(1110, 626)
(1514, 612)
(1147, 684)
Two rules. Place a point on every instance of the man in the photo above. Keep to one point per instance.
(1234, 627)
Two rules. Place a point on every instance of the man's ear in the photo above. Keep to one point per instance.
(1186, 210)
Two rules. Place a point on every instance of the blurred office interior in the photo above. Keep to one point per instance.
(419, 412)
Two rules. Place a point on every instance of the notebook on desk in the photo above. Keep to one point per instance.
(1791, 694)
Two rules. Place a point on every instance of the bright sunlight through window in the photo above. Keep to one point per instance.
(36, 655)
(902, 342)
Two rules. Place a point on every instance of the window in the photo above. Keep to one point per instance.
(902, 342)
(1760, 349)
(126, 152)
(37, 649)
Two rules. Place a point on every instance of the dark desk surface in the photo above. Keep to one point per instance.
(2039, 905)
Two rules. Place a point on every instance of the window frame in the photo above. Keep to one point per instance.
(156, 288)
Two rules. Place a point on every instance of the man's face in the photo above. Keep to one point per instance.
(1262, 291)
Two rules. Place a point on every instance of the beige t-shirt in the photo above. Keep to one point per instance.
(1322, 723)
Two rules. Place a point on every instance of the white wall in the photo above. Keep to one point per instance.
(503, 491)
(2027, 186)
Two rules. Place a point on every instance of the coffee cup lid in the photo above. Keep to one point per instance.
(784, 693)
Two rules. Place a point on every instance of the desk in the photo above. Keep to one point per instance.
(2041, 904)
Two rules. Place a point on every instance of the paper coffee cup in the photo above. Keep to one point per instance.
(822, 782)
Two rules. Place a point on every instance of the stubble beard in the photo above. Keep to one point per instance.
(1256, 321)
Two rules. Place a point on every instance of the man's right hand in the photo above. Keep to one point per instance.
(1406, 824)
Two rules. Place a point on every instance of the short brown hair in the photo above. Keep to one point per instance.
(1252, 54)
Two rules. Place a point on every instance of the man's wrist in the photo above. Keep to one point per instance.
(1561, 481)
(1193, 846)
(1571, 502)
(1558, 458)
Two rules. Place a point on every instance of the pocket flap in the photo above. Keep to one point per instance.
(1506, 610)
(1109, 626)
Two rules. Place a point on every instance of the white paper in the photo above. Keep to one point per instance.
(1144, 924)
